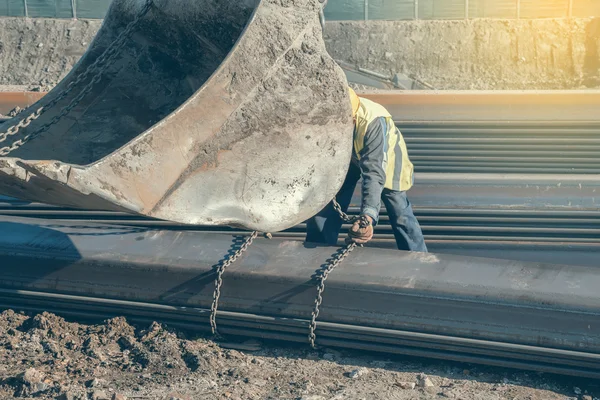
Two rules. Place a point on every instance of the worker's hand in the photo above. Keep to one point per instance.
(361, 231)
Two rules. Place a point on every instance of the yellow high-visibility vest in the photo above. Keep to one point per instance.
(396, 164)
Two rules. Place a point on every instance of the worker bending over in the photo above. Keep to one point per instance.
(381, 159)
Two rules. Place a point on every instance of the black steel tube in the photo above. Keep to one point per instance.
(505, 301)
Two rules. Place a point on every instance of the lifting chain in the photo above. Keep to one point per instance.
(219, 280)
(331, 265)
(345, 217)
(96, 70)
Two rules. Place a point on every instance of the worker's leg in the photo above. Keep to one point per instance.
(407, 230)
(325, 226)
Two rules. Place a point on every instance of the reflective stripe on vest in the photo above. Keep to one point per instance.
(396, 164)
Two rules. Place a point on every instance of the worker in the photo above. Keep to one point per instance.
(380, 157)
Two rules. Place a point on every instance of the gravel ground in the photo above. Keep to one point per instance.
(45, 357)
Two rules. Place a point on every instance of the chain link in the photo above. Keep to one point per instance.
(96, 69)
(345, 217)
(331, 265)
(219, 280)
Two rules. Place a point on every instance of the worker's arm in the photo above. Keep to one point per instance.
(371, 166)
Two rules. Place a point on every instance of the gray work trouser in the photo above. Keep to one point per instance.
(326, 225)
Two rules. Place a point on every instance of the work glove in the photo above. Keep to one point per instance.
(361, 231)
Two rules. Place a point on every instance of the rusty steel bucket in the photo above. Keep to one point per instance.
(213, 112)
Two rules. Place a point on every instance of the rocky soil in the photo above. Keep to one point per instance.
(45, 357)
(35, 54)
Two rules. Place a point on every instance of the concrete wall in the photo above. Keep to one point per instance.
(474, 54)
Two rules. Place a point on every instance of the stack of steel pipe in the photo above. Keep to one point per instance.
(534, 316)
(521, 217)
(547, 132)
(544, 147)
(510, 174)
(522, 189)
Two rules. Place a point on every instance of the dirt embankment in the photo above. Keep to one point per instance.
(37, 53)
(46, 357)
(474, 54)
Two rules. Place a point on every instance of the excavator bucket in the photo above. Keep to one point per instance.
(213, 112)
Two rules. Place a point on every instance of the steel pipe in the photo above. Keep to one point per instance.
(534, 316)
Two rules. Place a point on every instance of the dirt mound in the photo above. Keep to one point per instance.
(71, 358)
(45, 357)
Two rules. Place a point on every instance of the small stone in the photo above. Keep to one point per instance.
(586, 397)
(119, 396)
(406, 385)
(100, 395)
(424, 381)
(32, 376)
(40, 45)
(358, 373)
(576, 390)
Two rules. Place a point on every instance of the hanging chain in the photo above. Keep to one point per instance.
(219, 281)
(345, 217)
(96, 69)
(335, 261)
